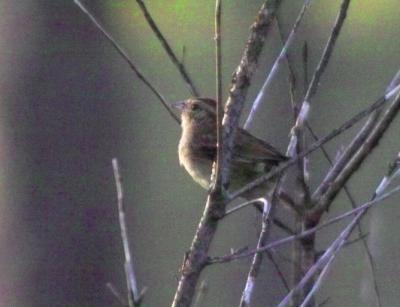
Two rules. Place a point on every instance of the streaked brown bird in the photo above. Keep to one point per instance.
(197, 149)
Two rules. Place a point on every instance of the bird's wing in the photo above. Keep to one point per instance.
(251, 149)
(207, 148)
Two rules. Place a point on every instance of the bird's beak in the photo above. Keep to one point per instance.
(179, 105)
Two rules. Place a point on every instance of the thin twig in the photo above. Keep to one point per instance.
(326, 55)
(302, 170)
(114, 291)
(318, 282)
(261, 200)
(346, 156)
(218, 73)
(315, 80)
(392, 173)
(278, 270)
(130, 62)
(201, 294)
(171, 54)
(134, 297)
(281, 225)
(275, 220)
(278, 61)
(248, 290)
(305, 66)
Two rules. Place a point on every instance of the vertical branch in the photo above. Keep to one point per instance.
(197, 256)
(305, 247)
(256, 263)
(134, 297)
(321, 263)
(201, 294)
(167, 48)
(218, 68)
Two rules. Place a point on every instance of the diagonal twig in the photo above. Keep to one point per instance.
(278, 61)
(171, 54)
(130, 62)
(315, 80)
(278, 270)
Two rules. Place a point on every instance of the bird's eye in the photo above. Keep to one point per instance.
(195, 107)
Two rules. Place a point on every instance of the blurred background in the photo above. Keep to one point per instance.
(69, 104)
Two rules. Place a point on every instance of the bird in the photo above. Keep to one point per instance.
(197, 149)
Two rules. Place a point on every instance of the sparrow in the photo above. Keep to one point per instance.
(197, 150)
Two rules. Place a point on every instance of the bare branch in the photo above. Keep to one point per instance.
(218, 70)
(114, 291)
(326, 55)
(301, 164)
(275, 220)
(202, 293)
(278, 270)
(134, 297)
(345, 157)
(261, 200)
(171, 54)
(306, 233)
(393, 172)
(215, 207)
(256, 263)
(312, 88)
(130, 62)
(318, 282)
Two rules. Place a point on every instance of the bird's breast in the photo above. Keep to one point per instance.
(198, 167)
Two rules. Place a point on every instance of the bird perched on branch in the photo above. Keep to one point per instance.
(197, 149)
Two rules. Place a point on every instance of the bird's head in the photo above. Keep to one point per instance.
(196, 110)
